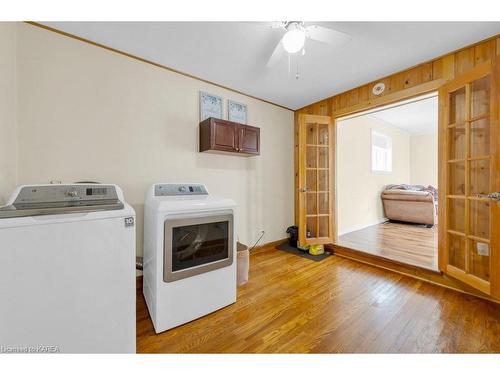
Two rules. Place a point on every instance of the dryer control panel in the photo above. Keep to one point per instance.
(166, 190)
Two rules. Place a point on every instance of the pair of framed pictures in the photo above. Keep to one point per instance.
(213, 106)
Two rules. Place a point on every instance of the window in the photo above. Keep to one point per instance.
(381, 152)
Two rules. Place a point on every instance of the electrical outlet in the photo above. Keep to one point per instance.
(483, 249)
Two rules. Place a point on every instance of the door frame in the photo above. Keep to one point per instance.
(394, 98)
(493, 65)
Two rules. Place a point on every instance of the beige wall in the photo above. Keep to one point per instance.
(424, 160)
(8, 136)
(86, 113)
(358, 188)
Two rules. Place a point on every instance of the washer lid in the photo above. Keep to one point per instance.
(35, 200)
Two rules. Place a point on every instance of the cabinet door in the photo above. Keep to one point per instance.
(249, 139)
(469, 125)
(224, 136)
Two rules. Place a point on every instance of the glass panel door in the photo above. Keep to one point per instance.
(470, 155)
(315, 161)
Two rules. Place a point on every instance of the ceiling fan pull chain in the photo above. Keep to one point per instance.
(297, 73)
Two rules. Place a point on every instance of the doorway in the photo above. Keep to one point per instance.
(387, 181)
(469, 166)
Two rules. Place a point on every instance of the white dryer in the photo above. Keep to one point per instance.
(67, 270)
(189, 253)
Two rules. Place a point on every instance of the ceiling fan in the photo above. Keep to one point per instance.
(296, 35)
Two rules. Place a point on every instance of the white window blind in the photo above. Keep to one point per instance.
(381, 152)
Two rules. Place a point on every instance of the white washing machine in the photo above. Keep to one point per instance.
(67, 270)
(189, 253)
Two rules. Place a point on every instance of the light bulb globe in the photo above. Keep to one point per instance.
(293, 40)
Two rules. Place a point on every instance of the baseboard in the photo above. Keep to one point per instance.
(269, 245)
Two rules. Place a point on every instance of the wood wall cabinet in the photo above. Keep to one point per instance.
(218, 135)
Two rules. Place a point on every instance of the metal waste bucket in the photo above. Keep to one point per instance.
(243, 263)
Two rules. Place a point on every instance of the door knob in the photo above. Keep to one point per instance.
(495, 196)
(303, 190)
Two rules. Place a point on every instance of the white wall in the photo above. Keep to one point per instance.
(424, 159)
(86, 113)
(8, 135)
(358, 188)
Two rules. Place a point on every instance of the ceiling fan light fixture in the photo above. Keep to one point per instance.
(293, 40)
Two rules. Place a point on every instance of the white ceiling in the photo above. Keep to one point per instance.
(234, 54)
(417, 118)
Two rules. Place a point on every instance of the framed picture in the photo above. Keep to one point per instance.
(210, 106)
(237, 112)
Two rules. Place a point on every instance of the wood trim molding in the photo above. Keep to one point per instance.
(448, 69)
(495, 150)
(442, 171)
(111, 49)
(395, 97)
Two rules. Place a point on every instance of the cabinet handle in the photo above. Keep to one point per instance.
(241, 139)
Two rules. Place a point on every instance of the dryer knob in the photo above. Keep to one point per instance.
(73, 193)
(182, 189)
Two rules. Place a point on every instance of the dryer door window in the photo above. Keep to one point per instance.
(197, 245)
(194, 245)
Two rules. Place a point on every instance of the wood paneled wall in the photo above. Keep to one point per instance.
(414, 81)
(442, 68)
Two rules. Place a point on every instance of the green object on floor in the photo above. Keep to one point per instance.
(301, 253)
(316, 249)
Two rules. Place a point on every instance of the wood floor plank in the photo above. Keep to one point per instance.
(295, 305)
(406, 243)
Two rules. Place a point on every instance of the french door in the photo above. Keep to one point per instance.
(470, 181)
(315, 157)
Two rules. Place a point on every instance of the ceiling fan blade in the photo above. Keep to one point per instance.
(329, 36)
(276, 55)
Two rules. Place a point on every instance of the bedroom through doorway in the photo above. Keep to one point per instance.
(387, 182)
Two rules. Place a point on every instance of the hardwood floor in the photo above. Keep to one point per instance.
(406, 243)
(295, 305)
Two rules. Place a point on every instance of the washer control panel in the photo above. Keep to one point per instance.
(166, 190)
(47, 194)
